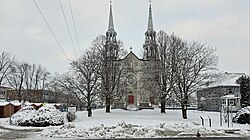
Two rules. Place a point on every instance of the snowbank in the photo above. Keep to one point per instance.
(128, 130)
(45, 116)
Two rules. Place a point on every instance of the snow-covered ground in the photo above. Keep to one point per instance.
(138, 124)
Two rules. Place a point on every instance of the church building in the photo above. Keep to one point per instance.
(138, 76)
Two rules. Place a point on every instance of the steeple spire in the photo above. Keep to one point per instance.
(111, 47)
(150, 45)
(111, 34)
(111, 21)
(150, 19)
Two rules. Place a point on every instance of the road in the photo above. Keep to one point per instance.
(13, 134)
(202, 138)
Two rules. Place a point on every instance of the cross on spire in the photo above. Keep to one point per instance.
(130, 49)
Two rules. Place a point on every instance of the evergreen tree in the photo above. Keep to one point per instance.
(244, 82)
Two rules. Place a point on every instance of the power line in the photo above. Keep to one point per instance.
(51, 30)
(72, 16)
(65, 19)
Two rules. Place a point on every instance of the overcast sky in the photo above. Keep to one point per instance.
(221, 24)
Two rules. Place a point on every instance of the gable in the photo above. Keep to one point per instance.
(131, 55)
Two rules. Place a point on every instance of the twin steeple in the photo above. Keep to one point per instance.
(150, 46)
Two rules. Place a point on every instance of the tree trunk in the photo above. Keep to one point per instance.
(184, 111)
(107, 105)
(163, 103)
(89, 112)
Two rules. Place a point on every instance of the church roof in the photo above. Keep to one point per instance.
(131, 53)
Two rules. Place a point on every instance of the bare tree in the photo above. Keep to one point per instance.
(59, 93)
(35, 79)
(191, 65)
(6, 61)
(165, 78)
(183, 68)
(84, 81)
(17, 77)
(26, 78)
(111, 69)
(44, 78)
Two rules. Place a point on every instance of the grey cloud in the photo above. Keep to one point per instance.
(218, 23)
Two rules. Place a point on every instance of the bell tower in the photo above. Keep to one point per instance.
(111, 46)
(109, 67)
(150, 46)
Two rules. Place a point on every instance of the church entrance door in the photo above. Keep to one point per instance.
(130, 99)
(152, 100)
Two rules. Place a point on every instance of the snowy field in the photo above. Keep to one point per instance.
(137, 124)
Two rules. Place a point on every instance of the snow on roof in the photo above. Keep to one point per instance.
(51, 104)
(16, 103)
(27, 103)
(4, 103)
(57, 104)
(36, 104)
(4, 87)
(230, 96)
(226, 79)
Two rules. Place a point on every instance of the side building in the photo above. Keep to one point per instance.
(221, 93)
(3, 92)
(42, 96)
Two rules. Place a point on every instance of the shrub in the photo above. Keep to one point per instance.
(242, 116)
(45, 116)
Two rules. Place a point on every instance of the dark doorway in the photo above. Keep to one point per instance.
(130, 99)
(1, 111)
(152, 100)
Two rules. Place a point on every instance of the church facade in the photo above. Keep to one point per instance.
(137, 81)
